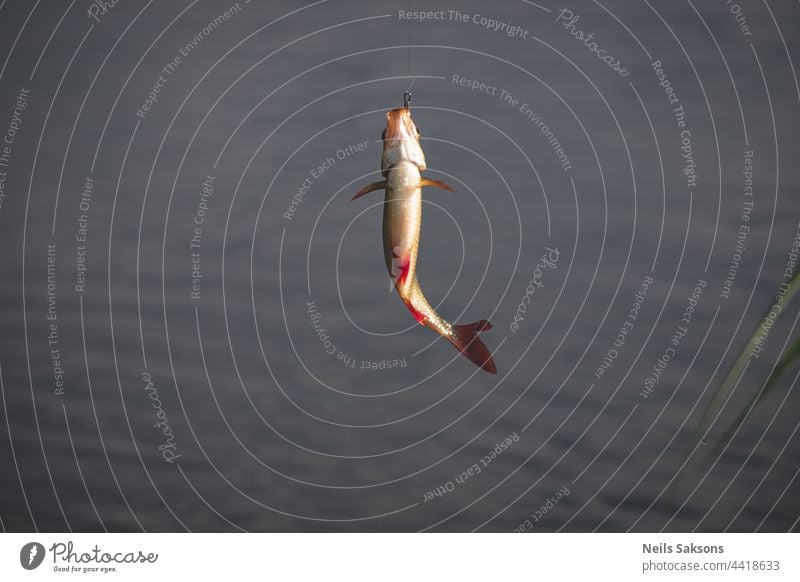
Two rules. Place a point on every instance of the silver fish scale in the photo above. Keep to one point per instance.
(402, 220)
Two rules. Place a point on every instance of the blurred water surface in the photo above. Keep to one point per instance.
(198, 390)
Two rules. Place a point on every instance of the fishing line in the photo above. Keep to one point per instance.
(408, 44)
(407, 94)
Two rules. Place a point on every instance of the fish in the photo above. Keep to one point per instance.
(402, 162)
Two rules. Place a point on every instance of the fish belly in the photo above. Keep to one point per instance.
(402, 218)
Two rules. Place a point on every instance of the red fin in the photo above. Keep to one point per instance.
(401, 278)
(399, 269)
(369, 188)
(467, 342)
(420, 317)
(435, 184)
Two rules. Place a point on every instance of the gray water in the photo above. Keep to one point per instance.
(257, 374)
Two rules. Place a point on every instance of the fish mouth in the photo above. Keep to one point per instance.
(401, 140)
(399, 126)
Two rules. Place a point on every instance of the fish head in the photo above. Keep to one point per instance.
(401, 140)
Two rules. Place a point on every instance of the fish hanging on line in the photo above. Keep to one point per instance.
(401, 163)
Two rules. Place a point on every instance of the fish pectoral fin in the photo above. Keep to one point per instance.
(369, 188)
(435, 184)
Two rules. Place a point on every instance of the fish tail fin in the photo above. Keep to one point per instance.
(466, 340)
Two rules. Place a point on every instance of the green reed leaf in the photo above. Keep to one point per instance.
(783, 297)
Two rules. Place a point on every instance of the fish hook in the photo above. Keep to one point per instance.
(406, 99)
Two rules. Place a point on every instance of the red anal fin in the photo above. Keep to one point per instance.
(466, 340)
(435, 184)
(400, 265)
(420, 317)
(369, 188)
(403, 275)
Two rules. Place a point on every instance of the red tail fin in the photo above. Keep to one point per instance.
(467, 342)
